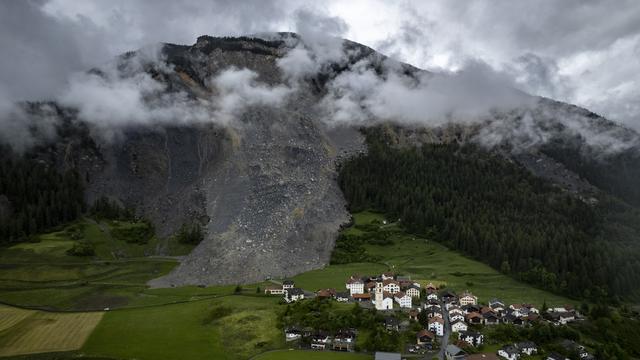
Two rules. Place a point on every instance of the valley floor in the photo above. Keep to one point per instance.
(223, 322)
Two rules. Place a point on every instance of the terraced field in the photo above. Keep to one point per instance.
(27, 331)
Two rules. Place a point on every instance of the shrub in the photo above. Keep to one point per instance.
(81, 249)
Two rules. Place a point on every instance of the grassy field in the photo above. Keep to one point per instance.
(311, 355)
(185, 331)
(427, 261)
(27, 331)
(41, 274)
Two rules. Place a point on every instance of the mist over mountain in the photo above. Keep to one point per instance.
(244, 136)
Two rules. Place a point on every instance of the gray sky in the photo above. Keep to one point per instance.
(585, 52)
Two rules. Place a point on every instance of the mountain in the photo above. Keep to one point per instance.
(264, 186)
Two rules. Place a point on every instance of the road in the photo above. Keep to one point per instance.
(447, 330)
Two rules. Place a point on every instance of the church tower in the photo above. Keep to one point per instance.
(379, 296)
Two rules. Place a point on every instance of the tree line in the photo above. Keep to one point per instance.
(35, 196)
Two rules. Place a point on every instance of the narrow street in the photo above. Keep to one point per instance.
(447, 330)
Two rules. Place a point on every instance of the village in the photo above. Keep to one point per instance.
(451, 325)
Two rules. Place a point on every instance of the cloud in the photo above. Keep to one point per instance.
(239, 89)
(589, 58)
(360, 95)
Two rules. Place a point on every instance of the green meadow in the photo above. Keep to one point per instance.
(246, 327)
(427, 261)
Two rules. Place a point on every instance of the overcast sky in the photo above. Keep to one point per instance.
(585, 52)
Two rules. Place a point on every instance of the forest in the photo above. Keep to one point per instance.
(35, 196)
(493, 210)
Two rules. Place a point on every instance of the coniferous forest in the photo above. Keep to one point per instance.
(495, 211)
(35, 196)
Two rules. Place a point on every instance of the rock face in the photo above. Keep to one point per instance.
(264, 188)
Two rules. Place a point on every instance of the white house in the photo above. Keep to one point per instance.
(403, 299)
(527, 347)
(388, 276)
(274, 290)
(436, 325)
(293, 295)
(456, 317)
(468, 298)
(459, 326)
(391, 286)
(355, 285)
(291, 334)
(432, 296)
(287, 284)
(471, 337)
(509, 352)
(413, 291)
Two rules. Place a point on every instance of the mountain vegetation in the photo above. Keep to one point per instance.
(492, 209)
(37, 196)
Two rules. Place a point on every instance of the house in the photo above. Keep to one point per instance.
(370, 286)
(564, 308)
(388, 276)
(293, 294)
(470, 308)
(555, 356)
(453, 352)
(287, 284)
(344, 340)
(432, 296)
(511, 319)
(391, 286)
(386, 356)
(472, 338)
(326, 293)
(561, 318)
(274, 290)
(413, 291)
(456, 317)
(496, 305)
(433, 311)
(391, 323)
(509, 352)
(355, 285)
(292, 333)
(474, 318)
(319, 340)
(413, 314)
(490, 318)
(468, 298)
(361, 297)
(403, 299)
(342, 296)
(424, 337)
(436, 325)
(459, 326)
(447, 296)
(455, 310)
(431, 288)
(527, 347)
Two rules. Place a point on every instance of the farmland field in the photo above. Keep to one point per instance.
(245, 326)
(27, 331)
